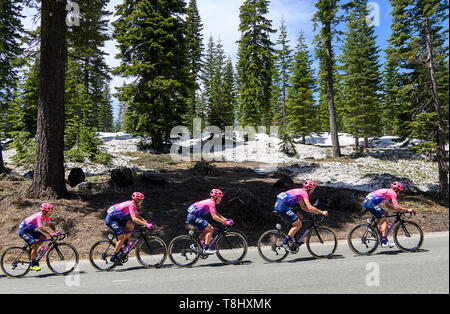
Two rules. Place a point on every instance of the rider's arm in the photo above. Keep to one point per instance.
(218, 217)
(44, 230)
(309, 208)
(139, 220)
(399, 208)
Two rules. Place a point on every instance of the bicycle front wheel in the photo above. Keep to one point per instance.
(408, 236)
(62, 258)
(231, 248)
(363, 239)
(321, 242)
(151, 252)
(184, 251)
(16, 262)
(270, 246)
(100, 255)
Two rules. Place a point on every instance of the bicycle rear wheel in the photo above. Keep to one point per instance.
(321, 242)
(231, 248)
(408, 236)
(100, 255)
(270, 246)
(16, 262)
(363, 239)
(62, 258)
(151, 252)
(184, 251)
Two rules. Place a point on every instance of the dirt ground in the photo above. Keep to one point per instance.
(248, 200)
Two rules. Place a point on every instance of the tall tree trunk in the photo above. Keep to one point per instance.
(2, 166)
(330, 95)
(438, 129)
(48, 179)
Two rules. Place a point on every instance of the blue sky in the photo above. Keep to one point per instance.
(220, 19)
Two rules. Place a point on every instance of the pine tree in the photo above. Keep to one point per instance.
(283, 58)
(301, 110)
(48, 180)
(195, 47)
(10, 32)
(152, 45)
(361, 75)
(326, 17)
(255, 64)
(417, 46)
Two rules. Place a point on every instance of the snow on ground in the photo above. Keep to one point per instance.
(385, 161)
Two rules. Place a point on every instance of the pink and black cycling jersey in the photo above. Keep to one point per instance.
(201, 208)
(121, 210)
(293, 196)
(383, 195)
(34, 221)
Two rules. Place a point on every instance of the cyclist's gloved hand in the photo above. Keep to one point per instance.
(149, 225)
(229, 222)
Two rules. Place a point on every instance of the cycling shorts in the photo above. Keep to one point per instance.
(371, 205)
(29, 236)
(116, 224)
(285, 211)
(197, 222)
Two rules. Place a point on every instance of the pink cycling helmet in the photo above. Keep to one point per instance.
(397, 185)
(47, 207)
(216, 193)
(309, 185)
(137, 196)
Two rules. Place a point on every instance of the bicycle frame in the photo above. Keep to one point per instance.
(142, 232)
(398, 220)
(53, 242)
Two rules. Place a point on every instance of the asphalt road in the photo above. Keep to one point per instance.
(386, 271)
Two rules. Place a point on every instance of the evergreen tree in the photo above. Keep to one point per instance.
(255, 64)
(152, 45)
(48, 180)
(283, 58)
(195, 47)
(326, 17)
(361, 75)
(301, 110)
(417, 48)
(10, 29)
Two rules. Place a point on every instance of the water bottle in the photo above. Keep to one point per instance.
(41, 251)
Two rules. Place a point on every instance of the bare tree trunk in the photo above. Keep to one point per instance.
(330, 95)
(2, 166)
(438, 130)
(48, 179)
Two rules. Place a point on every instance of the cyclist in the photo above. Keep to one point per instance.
(195, 217)
(374, 199)
(32, 229)
(125, 215)
(285, 202)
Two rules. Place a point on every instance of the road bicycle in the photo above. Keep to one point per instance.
(321, 241)
(186, 250)
(62, 258)
(364, 238)
(151, 251)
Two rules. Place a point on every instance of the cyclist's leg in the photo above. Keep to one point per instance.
(130, 226)
(116, 227)
(287, 213)
(380, 215)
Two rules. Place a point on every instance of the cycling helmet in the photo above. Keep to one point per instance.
(216, 193)
(397, 185)
(137, 196)
(47, 207)
(309, 185)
